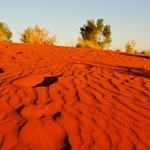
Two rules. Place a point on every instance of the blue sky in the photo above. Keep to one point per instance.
(129, 19)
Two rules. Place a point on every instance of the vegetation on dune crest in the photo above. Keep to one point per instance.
(95, 35)
(129, 46)
(37, 35)
(5, 33)
(146, 52)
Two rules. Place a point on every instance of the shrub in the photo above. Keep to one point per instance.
(37, 35)
(129, 46)
(95, 35)
(145, 52)
(5, 33)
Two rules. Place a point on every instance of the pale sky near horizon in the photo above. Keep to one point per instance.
(129, 19)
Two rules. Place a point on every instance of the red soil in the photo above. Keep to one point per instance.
(54, 98)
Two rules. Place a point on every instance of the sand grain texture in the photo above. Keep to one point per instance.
(61, 98)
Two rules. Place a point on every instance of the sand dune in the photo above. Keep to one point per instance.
(61, 98)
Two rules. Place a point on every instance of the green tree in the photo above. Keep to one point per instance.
(37, 35)
(95, 35)
(5, 33)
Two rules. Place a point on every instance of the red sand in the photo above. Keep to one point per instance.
(54, 98)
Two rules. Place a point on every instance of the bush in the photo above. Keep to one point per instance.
(129, 46)
(145, 52)
(95, 35)
(5, 33)
(37, 35)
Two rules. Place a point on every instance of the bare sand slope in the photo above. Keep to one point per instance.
(59, 98)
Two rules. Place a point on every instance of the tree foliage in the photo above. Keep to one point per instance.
(5, 33)
(37, 35)
(95, 35)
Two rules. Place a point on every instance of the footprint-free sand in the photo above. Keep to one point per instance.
(64, 98)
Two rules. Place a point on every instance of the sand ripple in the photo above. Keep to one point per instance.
(65, 98)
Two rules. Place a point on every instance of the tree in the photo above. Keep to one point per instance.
(129, 46)
(95, 35)
(37, 35)
(5, 33)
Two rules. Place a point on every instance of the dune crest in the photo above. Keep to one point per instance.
(66, 98)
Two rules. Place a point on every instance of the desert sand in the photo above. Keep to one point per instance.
(61, 98)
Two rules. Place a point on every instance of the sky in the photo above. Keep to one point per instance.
(129, 19)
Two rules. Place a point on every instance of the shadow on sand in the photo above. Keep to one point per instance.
(47, 81)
